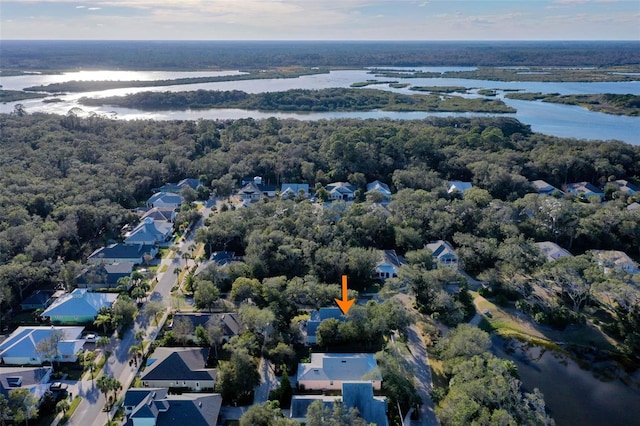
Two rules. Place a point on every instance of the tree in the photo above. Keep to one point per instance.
(258, 321)
(206, 295)
(153, 308)
(183, 329)
(62, 406)
(23, 405)
(138, 293)
(237, 377)
(103, 320)
(327, 332)
(246, 288)
(339, 415)
(266, 414)
(202, 337)
(124, 310)
(215, 332)
(4, 409)
(47, 348)
(398, 382)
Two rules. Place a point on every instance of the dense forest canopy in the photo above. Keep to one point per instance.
(183, 55)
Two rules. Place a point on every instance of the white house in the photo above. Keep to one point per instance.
(444, 253)
(122, 253)
(179, 368)
(79, 306)
(341, 191)
(458, 186)
(380, 188)
(545, 188)
(584, 189)
(154, 406)
(617, 260)
(292, 190)
(551, 250)
(329, 371)
(388, 264)
(20, 347)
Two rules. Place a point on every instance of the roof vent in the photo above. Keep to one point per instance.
(14, 382)
(200, 404)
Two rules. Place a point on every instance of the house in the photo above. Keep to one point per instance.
(317, 317)
(228, 322)
(584, 189)
(341, 191)
(544, 188)
(166, 214)
(329, 371)
(388, 265)
(624, 186)
(617, 260)
(250, 193)
(39, 299)
(154, 406)
(359, 395)
(150, 232)
(443, 253)
(123, 253)
(378, 187)
(292, 190)
(457, 186)
(267, 190)
(20, 347)
(633, 207)
(177, 187)
(104, 275)
(36, 379)
(551, 250)
(179, 368)
(165, 199)
(79, 306)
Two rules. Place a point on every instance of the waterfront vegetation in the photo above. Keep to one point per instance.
(253, 74)
(69, 184)
(527, 73)
(337, 99)
(18, 95)
(607, 103)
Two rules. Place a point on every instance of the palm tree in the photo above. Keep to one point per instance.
(62, 406)
(104, 385)
(140, 335)
(103, 320)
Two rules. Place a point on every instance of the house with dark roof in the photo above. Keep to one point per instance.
(380, 188)
(317, 317)
(293, 190)
(616, 260)
(104, 275)
(150, 232)
(39, 299)
(154, 406)
(36, 379)
(229, 322)
(165, 199)
(328, 371)
(177, 187)
(165, 214)
(551, 250)
(388, 264)
(584, 189)
(624, 186)
(123, 253)
(443, 253)
(78, 307)
(250, 193)
(20, 347)
(341, 191)
(359, 395)
(179, 368)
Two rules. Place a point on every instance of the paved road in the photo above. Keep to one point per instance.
(89, 412)
(419, 360)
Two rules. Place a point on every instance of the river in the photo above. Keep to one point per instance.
(574, 396)
(547, 118)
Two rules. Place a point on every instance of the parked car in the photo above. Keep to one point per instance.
(58, 386)
(91, 337)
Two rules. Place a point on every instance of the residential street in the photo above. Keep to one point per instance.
(419, 360)
(90, 411)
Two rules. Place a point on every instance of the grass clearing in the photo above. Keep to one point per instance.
(163, 268)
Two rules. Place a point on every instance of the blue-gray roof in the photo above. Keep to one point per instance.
(80, 303)
(39, 297)
(171, 364)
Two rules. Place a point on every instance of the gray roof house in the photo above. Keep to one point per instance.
(544, 188)
(166, 214)
(444, 253)
(20, 347)
(320, 315)
(584, 189)
(617, 260)
(36, 379)
(292, 190)
(153, 406)
(341, 191)
(122, 253)
(328, 371)
(177, 187)
(458, 186)
(149, 232)
(165, 199)
(373, 409)
(624, 186)
(179, 368)
(388, 264)
(551, 250)
(79, 306)
(105, 275)
(380, 188)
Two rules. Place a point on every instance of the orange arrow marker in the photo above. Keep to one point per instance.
(344, 304)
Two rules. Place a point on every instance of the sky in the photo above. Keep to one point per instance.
(320, 19)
